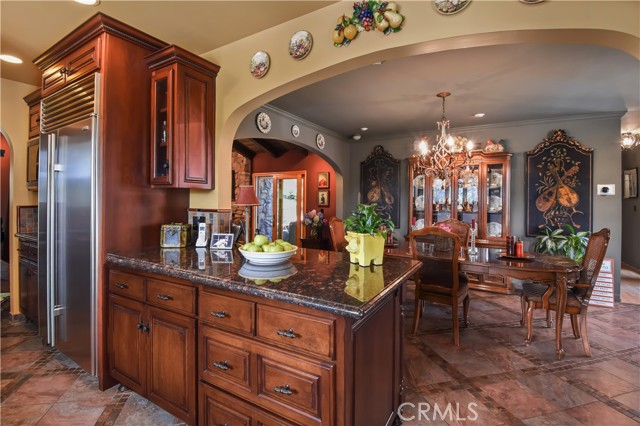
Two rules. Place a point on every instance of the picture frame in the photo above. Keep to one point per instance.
(221, 242)
(323, 198)
(559, 185)
(221, 256)
(630, 183)
(323, 179)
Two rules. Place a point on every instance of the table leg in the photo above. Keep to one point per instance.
(561, 293)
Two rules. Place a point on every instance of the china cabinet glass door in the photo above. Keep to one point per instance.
(467, 200)
(441, 200)
(495, 195)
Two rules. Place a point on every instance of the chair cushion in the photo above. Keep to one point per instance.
(535, 291)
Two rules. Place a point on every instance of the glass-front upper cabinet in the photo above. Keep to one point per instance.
(162, 128)
(480, 192)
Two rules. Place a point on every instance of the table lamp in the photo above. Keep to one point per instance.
(247, 198)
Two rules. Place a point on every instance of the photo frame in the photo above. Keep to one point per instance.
(559, 173)
(630, 183)
(323, 179)
(221, 256)
(221, 241)
(323, 198)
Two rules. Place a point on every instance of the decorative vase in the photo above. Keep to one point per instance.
(365, 249)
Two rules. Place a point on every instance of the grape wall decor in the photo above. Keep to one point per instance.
(367, 16)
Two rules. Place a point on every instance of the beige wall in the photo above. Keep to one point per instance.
(607, 23)
(14, 122)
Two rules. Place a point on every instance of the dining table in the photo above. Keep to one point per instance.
(552, 270)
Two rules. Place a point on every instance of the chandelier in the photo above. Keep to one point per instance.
(448, 156)
(630, 140)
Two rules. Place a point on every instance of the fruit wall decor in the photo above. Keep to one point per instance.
(367, 16)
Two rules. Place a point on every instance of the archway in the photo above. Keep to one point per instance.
(5, 210)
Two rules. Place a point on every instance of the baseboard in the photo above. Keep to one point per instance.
(630, 267)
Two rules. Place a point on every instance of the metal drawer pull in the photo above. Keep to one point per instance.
(122, 285)
(221, 314)
(285, 390)
(164, 296)
(287, 333)
(220, 365)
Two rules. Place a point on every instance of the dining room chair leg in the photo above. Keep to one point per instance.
(465, 310)
(456, 325)
(417, 313)
(583, 333)
(549, 320)
(523, 304)
(575, 326)
(422, 307)
(530, 306)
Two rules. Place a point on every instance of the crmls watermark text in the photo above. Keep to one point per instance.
(424, 411)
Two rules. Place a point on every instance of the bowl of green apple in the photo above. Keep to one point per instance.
(262, 252)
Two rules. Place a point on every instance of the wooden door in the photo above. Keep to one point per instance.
(127, 343)
(172, 366)
(282, 205)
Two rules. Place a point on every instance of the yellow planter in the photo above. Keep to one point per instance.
(365, 282)
(365, 249)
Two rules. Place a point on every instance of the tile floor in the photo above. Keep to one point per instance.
(506, 382)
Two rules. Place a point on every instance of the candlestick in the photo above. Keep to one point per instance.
(473, 250)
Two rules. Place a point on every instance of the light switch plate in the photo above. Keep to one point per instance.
(607, 189)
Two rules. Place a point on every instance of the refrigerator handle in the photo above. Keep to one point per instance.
(51, 226)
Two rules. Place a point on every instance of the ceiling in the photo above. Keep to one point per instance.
(508, 83)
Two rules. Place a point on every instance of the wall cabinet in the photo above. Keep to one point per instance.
(182, 119)
(33, 146)
(76, 64)
(28, 273)
(479, 193)
(152, 341)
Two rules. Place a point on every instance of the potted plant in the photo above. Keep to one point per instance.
(572, 245)
(366, 234)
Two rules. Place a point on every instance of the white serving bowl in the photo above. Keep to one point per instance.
(262, 258)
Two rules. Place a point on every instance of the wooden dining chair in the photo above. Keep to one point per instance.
(534, 295)
(439, 280)
(336, 229)
(461, 229)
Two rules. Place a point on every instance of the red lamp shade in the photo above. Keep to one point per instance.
(247, 196)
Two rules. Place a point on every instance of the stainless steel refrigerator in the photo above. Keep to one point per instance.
(68, 221)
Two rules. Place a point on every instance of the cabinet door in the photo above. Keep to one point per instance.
(32, 164)
(127, 343)
(496, 202)
(53, 78)
(24, 286)
(32, 290)
(172, 366)
(467, 200)
(34, 120)
(83, 60)
(162, 83)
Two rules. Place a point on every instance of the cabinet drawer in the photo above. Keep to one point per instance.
(227, 312)
(128, 285)
(219, 408)
(296, 385)
(494, 279)
(173, 296)
(296, 330)
(222, 363)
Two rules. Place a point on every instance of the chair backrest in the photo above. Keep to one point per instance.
(592, 261)
(438, 250)
(336, 229)
(461, 229)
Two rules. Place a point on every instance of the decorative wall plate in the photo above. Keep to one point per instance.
(320, 140)
(300, 45)
(263, 121)
(449, 7)
(260, 63)
(295, 130)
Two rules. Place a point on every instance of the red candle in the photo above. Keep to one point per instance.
(473, 223)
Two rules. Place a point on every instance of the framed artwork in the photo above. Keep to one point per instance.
(323, 198)
(221, 241)
(323, 179)
(221, 256)
(380, 183)
(559, 185)
(630, 183)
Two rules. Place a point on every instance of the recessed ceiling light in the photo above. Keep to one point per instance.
(378, 63)
(356, 137)
(10, 58)
(89, 2)
(364, 129)
(479, 115)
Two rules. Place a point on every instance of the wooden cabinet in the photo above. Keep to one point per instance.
(28, 273)
(33, 146)
(152, 350)
(182, 119)
(78, 63)
(479, 193)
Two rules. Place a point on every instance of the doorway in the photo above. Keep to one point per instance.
(281, 196)
(5, 165)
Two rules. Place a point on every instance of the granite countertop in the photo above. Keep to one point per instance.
(316, 279)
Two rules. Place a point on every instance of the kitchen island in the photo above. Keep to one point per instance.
(214, 339)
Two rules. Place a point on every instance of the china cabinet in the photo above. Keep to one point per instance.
(182, 119)
(480, 192)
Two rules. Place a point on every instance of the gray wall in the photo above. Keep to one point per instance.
(600, 133)
(631, 215)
